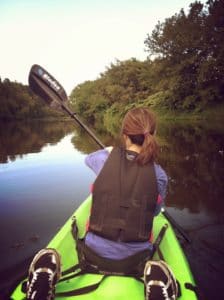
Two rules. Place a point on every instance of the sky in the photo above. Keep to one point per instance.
(76, 40)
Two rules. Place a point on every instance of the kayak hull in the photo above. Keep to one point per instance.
(115, 287)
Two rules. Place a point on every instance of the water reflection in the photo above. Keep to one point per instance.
(193, 157)
(19, 138)
(85, 144)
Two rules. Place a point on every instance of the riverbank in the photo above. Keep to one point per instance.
(211, 115)
(215, 113)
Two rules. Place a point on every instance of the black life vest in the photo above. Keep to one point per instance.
(124, 199)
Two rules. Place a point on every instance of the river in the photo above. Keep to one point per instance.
(43, 179)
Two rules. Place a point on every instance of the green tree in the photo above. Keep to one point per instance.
(189, 47)
(18, 102)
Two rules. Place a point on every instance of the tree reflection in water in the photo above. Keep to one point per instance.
(20, 138)
(193, 157)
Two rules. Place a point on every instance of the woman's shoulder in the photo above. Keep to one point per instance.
(96, 160)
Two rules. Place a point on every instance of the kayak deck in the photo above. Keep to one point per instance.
(115, 287)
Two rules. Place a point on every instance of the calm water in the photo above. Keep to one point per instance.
(43, 179)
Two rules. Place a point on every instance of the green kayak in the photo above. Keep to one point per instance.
(115, 287)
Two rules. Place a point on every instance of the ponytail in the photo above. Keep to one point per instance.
(139, 125)
(148, 151)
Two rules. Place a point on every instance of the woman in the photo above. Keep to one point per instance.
(129, 190)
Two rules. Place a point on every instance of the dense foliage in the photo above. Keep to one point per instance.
(183, 72)
(18, 102)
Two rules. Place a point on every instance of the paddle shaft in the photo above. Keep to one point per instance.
(176, 225)
(76, 118)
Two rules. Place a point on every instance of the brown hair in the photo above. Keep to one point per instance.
(139, 124)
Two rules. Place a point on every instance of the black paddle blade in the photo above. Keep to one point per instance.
(47, 87)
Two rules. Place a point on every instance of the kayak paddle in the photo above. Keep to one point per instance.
(50, 90)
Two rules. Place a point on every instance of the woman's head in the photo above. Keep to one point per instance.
(139, 124)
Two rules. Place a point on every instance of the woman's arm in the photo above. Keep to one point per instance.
(96, 160)
(162, 183)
